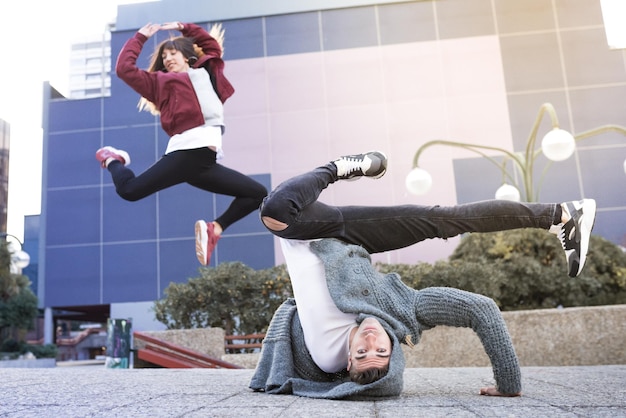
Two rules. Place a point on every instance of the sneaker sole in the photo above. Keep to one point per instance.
(202, 237)
(589, 213)
(377, 176)
(385, 165)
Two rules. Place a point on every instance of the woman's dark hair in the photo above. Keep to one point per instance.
(367, 376)
(180, 43)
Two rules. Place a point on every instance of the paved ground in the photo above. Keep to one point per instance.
(93, 391)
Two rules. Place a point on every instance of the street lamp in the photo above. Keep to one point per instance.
(557, 145)
(19, 259)
(613, 14)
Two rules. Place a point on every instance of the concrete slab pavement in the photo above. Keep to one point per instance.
(86, 391)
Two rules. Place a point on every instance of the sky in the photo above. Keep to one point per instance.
(38, 38)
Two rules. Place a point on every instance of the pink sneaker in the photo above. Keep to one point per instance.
(206, 240)
(103, 155)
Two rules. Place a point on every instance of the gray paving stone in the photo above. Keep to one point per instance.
(93, 391)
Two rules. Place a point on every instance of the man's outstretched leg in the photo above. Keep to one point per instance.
(292, 211)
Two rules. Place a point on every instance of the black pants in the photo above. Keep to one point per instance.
(197, 167)
(385, 228)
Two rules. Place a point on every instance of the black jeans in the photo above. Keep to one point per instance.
(199, 168)
(384, 228)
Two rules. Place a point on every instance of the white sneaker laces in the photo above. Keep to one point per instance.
(348, 165)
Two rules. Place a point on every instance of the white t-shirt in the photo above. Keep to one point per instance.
(326, 328)
(209, 134)
(200, 137)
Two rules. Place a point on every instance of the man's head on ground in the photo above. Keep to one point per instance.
(369, 353)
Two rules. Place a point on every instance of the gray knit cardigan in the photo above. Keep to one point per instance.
(286, 367)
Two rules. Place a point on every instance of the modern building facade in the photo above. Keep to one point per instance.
(319, 79)
(90, 67)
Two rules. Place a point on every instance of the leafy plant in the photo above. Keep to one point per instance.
(231, 296)
(18, 304)
(12, 349)
(525, 269)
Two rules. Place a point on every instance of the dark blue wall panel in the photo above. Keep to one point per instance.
(256, 251)
(184, 205)
(291, 34)
(71, 157)
(73, 276)
(75, 114)
(130, 272)
(139, 142)
(128, 221)
(73, 217)
(244, 39)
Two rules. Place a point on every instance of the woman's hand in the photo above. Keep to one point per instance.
(150, 29)
(172, 26)
(492, 391)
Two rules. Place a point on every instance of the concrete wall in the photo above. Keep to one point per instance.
(39, 363)
(545, 337)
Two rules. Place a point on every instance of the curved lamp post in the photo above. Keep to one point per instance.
(19, 259)
(557, 145)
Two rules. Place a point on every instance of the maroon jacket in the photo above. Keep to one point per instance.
(172, 93)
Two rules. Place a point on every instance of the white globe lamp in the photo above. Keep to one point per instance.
(21, 259)
(558, 145)
(418, 181)
(508, 192)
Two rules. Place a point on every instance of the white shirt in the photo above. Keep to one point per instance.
(209, 134)
(200, 137)
(326, 328)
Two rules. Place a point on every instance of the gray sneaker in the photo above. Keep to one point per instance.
(575, 233)
(371, 164)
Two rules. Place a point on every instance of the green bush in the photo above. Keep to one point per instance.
(41, 351)
(10, 345)
(525, 269)
(231, 296)
(18, 304)
(12, 349)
